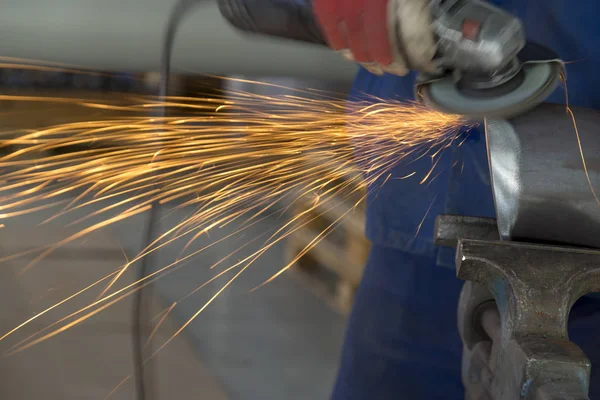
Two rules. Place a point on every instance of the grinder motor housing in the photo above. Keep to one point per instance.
(477, 71)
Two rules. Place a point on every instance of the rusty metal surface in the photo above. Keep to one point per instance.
(534, 287)
(449, 228)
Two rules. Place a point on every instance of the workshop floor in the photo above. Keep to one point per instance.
(278, 342)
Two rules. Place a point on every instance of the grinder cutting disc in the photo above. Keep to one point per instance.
(536, 77)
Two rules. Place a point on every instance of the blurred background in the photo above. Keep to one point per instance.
(279, 342)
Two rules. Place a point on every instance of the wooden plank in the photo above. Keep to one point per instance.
(344, 296)
(20, 114)
(331, 256)
(353, 220)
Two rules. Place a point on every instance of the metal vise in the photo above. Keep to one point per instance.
(526, 269)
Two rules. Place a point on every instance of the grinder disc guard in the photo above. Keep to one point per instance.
(540, 71)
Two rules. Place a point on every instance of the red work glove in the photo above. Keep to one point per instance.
(392, 36)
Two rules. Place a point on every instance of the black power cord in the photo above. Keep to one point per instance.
(178, 12)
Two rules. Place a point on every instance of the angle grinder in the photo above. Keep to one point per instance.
(483, 68)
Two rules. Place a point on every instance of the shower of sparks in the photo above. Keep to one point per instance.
(235, 158)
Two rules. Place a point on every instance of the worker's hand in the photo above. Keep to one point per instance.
(392, 36)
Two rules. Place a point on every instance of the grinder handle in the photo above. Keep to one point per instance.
(289, 19)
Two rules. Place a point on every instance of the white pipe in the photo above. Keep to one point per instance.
(126, 35)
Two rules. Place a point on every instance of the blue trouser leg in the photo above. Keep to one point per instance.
(401, 341)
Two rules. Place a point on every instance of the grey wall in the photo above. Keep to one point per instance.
(125, 35)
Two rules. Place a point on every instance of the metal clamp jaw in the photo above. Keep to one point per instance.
(517, 268)
(533, 287)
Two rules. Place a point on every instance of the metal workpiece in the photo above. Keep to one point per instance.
(514, 308)
(540, 186)
(534, 288)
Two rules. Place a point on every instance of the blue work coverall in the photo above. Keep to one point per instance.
(402, 341)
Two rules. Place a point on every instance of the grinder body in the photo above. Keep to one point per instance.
(472, 36)
(478, 47)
